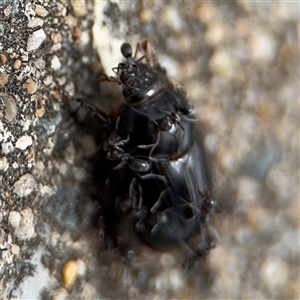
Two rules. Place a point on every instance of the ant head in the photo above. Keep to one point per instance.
(126, 50)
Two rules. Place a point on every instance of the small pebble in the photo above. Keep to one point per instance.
(7, 10)
(24, 142)
(25, 56)
(30, 86)
(26, 228)
(3, 79)
(172, 18)
(275, 273)
(70, 273)
(35, 40)
(263, 46)
(79, 7)
(4, 165)
(17, 64)
(14, 218)
(3, 58)
(40, 11)
(35, 22)
(25, 185)
(2, 235)
(55, 63)
(15, 249)
(60, 294)
(7, 147)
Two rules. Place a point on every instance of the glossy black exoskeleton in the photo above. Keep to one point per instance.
(153, 177)
(157, 182)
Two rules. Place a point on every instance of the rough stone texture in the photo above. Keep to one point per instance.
(238, 62)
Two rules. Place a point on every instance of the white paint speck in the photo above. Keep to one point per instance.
(24, 142)
(35, 40)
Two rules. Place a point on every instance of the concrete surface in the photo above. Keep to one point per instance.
(238, 62)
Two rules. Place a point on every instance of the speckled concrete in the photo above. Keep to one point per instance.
(238, 62)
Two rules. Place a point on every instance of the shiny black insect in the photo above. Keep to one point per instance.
(156, 182)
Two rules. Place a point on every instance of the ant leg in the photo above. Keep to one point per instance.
(141, 199)
(120, 165)
(115, 142)
(101, 228)
(112, 146)
(209, 242)
(142, 211)
(157, 204)
(137, 204)
(206, 207)
(98, 114)
(132, 194)
(104, 77)
(101, 232)
(162, 219)
(142, 214)
(155, 176)
(191, 255)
